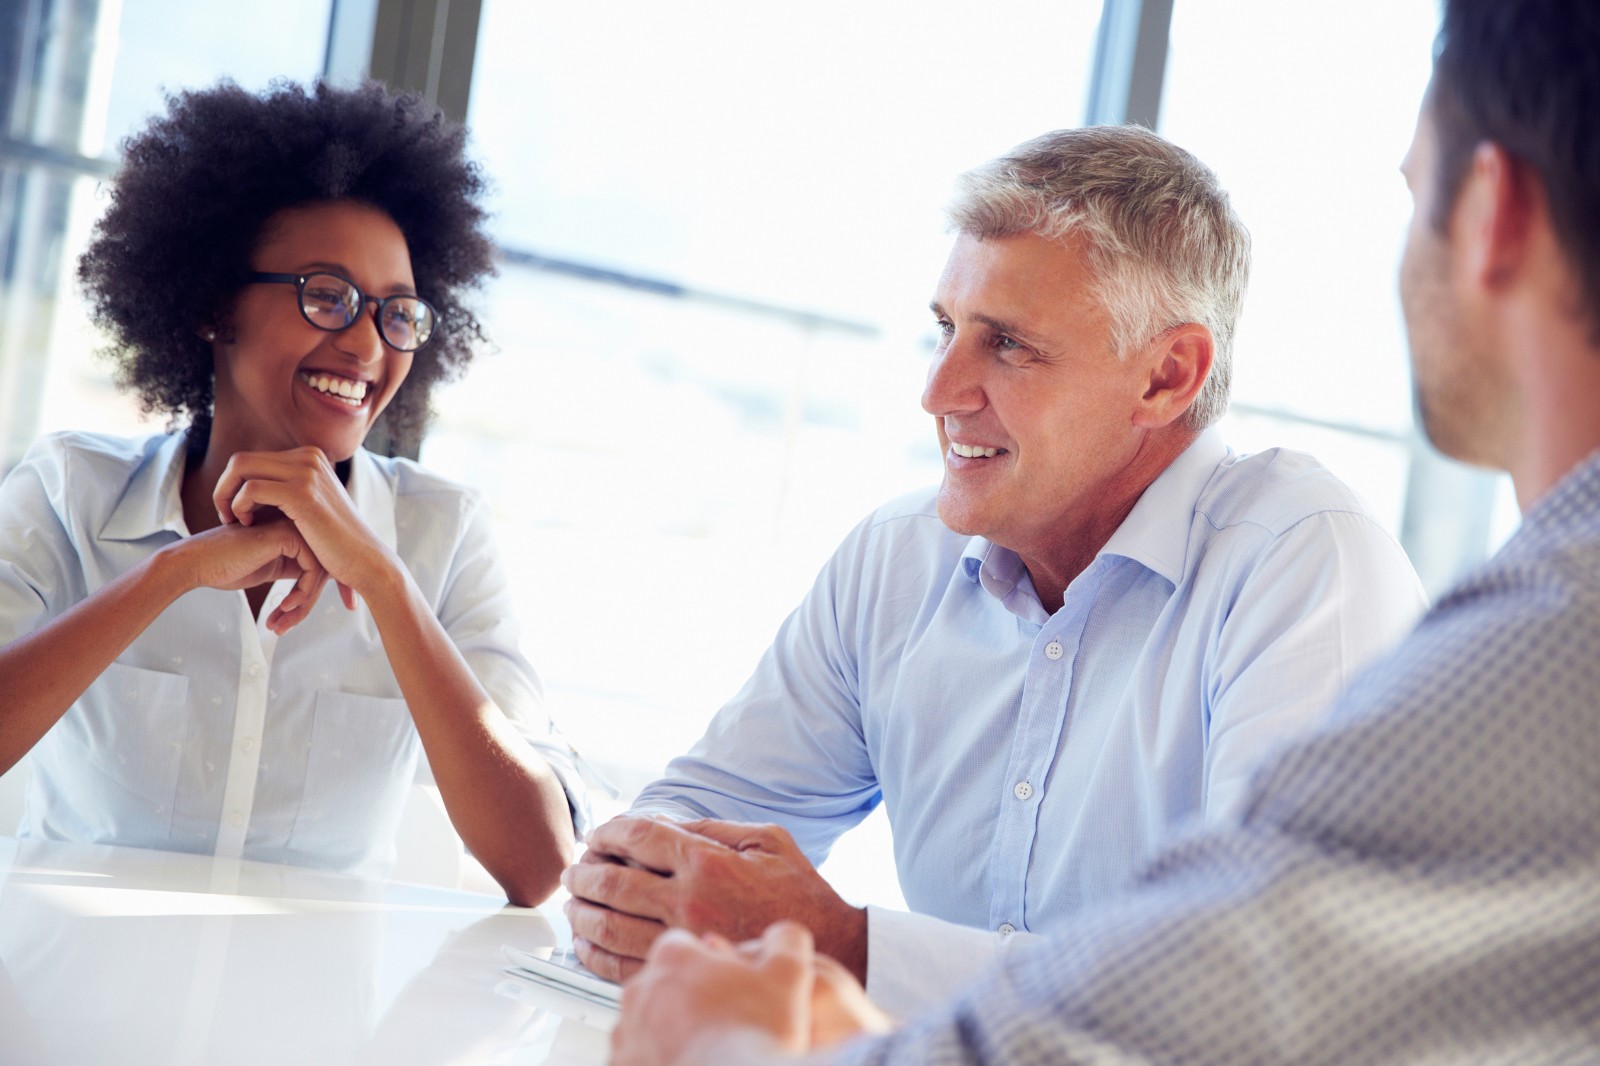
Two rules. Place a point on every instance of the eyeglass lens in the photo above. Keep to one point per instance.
(332, 303)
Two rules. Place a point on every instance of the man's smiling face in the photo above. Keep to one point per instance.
(1034, 410)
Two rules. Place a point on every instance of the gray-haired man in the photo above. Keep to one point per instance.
(1089, 635)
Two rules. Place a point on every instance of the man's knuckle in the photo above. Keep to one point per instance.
(607, 882)
(606, 927)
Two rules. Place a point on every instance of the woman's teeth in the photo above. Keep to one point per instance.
(967, 451)
(353, 393)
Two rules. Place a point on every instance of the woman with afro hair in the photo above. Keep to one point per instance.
(275, 270)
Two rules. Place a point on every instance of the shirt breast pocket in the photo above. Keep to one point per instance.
(362, 760)
(133, 727)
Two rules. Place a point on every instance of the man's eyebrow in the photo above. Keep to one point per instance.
(999, 325)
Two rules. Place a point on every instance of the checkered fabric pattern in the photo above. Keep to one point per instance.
(1418, 882)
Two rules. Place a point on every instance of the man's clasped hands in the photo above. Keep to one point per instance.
(748, 930)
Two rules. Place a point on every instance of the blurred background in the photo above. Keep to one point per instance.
(720, 223)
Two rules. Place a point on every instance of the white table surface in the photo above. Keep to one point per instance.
(133, 957)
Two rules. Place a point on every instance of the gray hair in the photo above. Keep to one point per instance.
(1163, 243)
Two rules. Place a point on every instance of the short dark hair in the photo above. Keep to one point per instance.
(196, 185)
(1525, 74)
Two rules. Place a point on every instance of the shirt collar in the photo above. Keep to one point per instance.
(152, 501)
(1155, 534)
(373, 494)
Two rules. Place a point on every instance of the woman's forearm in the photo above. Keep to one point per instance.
(503, 798)
(44, 672)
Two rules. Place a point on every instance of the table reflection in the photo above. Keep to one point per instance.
(132, 956)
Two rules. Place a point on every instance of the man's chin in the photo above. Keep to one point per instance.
(959, 516)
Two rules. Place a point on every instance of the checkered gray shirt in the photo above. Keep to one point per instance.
(1418, 882)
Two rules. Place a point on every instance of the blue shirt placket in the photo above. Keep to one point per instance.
(1041, 721)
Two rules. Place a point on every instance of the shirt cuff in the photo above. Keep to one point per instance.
(916, 962)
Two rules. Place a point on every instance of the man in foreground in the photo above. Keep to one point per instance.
(1416, 881)
(1089, 635)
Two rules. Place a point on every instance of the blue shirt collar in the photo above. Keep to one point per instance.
(1155, 534)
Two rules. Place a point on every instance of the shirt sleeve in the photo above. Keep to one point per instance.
(789, 748)
(1327, 596)
(477, 611)
(40, 572)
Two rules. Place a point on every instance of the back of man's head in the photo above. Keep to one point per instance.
(1162, 239)
(1525, 74)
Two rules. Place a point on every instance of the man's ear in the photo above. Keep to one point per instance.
(1500, 202)
(1179, 368)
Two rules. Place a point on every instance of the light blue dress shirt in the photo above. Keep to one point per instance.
(1416, 881)
(1030, 762)
(212, 734)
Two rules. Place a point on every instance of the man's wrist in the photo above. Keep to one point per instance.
(846, 942)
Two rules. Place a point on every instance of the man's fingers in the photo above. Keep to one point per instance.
(740, 835)
(789, 941)
(620, 887)
(840, 1008)
(649, 842)
(624, 935)
(604, 963)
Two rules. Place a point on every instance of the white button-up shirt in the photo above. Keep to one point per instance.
(210, 733)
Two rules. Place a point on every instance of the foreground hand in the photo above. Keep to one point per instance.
(239, 557)
(703, 1000)
(302, 485)
(840, 1008)
(642, 876)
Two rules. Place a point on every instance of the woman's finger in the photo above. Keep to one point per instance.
(258, 466)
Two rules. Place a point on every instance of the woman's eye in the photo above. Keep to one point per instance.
(324, 298)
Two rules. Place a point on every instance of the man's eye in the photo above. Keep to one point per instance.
(1007, 344)
(945, 326)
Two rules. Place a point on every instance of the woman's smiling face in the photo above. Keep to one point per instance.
(283, 383)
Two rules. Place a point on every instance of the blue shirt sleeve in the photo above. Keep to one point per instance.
(788, 748)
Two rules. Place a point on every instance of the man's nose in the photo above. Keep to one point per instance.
(953, 383)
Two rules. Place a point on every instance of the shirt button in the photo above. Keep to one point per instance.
(1023, 790)
(255, 670)
(1006, 929)
(236, 819)
(1054, 650)
(249, 744)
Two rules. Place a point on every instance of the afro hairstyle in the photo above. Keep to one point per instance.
(196, 187)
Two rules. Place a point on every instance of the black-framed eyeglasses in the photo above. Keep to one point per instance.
(332, 303)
